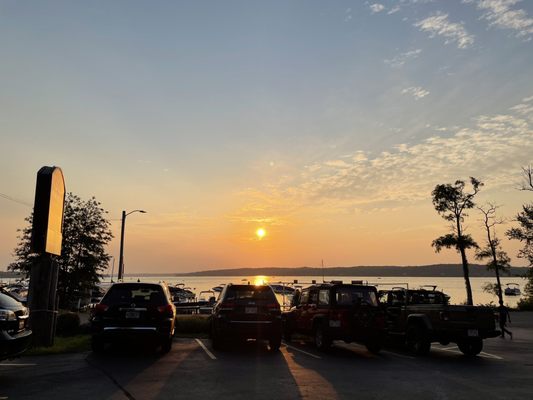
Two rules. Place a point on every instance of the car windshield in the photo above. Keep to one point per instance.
(249, 292)
(138, 294)
(348, 296)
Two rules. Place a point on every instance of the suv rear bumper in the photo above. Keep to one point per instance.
(115, 333)
(13, 345)
(248, 329)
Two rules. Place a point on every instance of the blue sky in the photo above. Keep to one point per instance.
(223, 115)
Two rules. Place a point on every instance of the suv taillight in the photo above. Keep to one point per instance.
(227, 306)
(166, 309)
(100, 308)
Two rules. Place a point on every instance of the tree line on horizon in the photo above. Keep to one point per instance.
(86, 233)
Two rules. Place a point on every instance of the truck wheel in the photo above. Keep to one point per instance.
(322, 340)
(471, 347)
(417, 340)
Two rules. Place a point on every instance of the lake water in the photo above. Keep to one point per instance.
(453, 287)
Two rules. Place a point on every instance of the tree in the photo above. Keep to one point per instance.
(451, 202)
(86, 232)
(524, 233)
(498, 259)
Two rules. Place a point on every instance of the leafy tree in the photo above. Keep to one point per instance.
(498, 259)
(83, 257)
(451, 202)
(524, 233)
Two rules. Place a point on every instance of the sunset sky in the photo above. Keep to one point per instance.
(325, 123)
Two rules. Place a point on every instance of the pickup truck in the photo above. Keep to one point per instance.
(336, 311)
(421, 317)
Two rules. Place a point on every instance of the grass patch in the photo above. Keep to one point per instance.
(70, 344)
(188, 324)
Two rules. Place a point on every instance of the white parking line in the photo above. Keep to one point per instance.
(302, 351)
(211, 355)
(455, 349)
(392, 353)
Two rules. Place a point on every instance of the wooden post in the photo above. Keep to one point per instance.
(42, 300)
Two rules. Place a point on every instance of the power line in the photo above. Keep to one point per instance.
(13, 199)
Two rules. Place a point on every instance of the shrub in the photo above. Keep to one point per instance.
(68, 324)
(526, 304)
(192, 324)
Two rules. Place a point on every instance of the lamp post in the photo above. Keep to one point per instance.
(121, 258)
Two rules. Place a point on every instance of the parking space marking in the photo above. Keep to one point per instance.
(203, 346)
(302, 351)
(455, 349)
(392, 353)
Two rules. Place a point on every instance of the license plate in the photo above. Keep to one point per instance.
(472, 333)
(132, 314)
(250, 310)
(21, 325)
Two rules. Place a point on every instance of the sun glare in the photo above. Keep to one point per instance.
(260, 233)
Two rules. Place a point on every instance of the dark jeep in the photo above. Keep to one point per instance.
(420, 317)
(336, 311)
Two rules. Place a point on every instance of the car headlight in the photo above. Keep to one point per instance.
(7, 315)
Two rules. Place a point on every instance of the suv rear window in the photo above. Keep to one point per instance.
(349, 296)
(249, 292)
(138, 294)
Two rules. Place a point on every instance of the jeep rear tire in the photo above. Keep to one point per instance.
(417, 340)
(470, 347)
(321, 338)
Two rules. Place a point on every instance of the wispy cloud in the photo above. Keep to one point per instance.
(376, 8)
(439, 25)
(500, 13)
(400, 60)
(416, 91)
(492, 149)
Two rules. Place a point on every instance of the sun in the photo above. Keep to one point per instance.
(260, 233)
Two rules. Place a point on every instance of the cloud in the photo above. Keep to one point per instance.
(416, 91)
(400, 60)
(500, 14)
(376, 8)
(492, 149)
(439, 25)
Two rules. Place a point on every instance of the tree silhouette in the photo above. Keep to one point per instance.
(451, 202)
(524, 233)
(498, 259)
(83, 256)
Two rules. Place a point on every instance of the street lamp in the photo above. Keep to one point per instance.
(121, 258)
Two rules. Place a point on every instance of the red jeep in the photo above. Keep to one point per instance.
(337, 311)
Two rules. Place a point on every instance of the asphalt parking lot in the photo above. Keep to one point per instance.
(194, 370)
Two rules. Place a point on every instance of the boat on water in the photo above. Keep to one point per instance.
(282, 289)
(512, 289)
(218, 289)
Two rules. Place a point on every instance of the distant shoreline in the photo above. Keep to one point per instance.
(437, 270)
